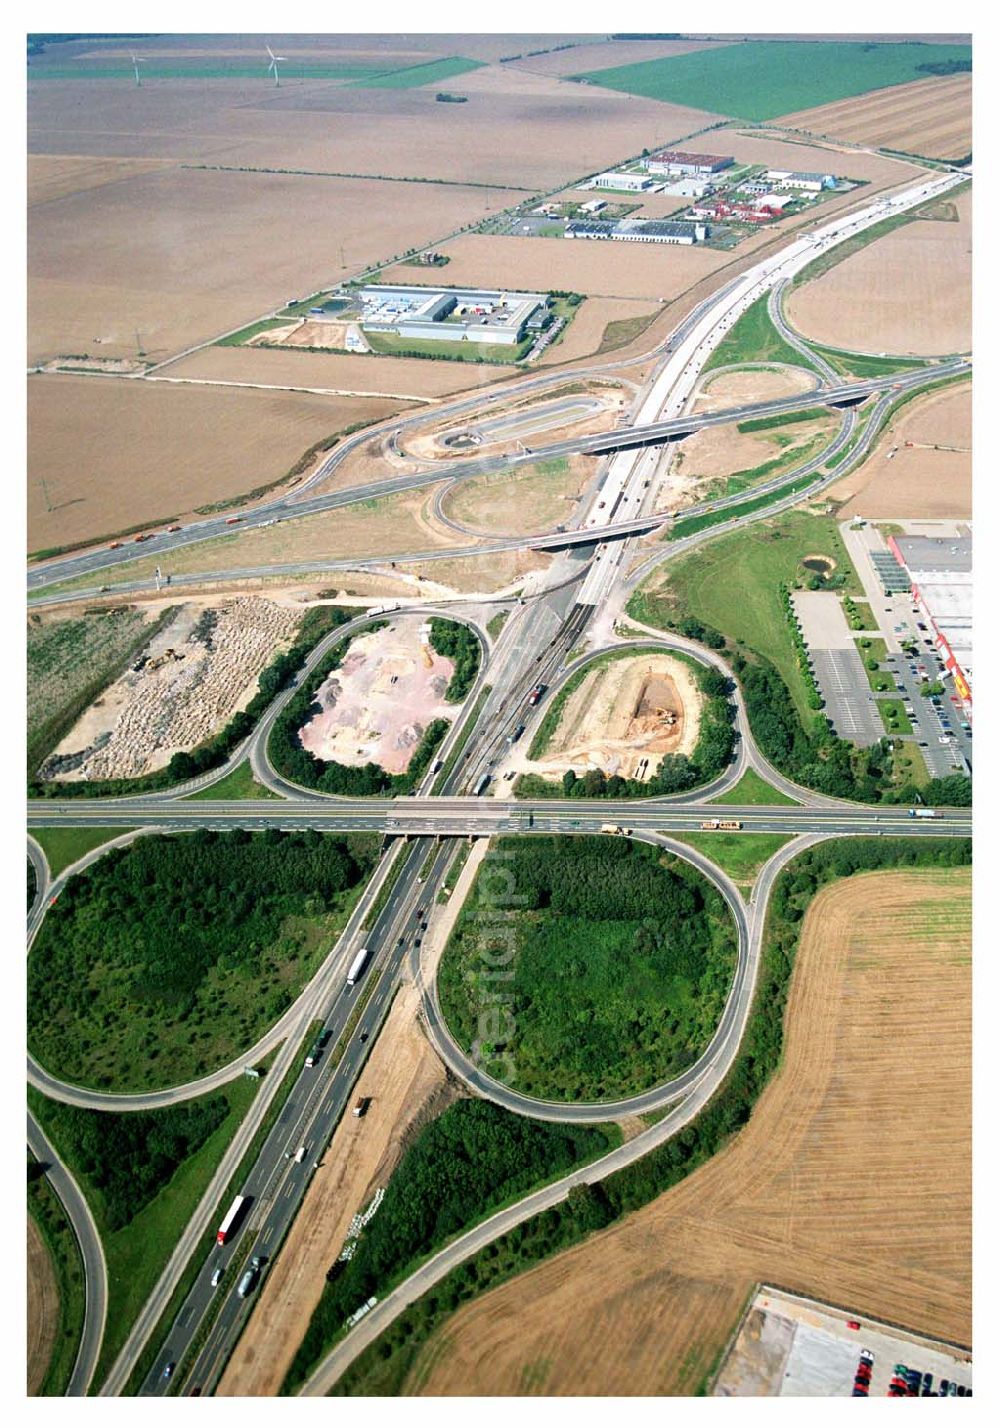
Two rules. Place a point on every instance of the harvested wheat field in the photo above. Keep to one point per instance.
(720, 390)
(908, 293)
(620, 270)
(54, 176)
(198, 671)
(334, 372)
(115, 453)
(930, 478)
(526, 500)
(604, 54)
(182, 255)
(624, 717)
(586, 333)
(932, 117)
(407, 1085)
(43, 1308)
(500, 571)
(851, 1182)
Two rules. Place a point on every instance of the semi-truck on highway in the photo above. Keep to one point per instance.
(615, 829)
(924, 813)
(711, 824)
(229, 1223)
(481, 783)
(357, 967)
(316, 1050)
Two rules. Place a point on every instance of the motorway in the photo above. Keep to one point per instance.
(535, 646)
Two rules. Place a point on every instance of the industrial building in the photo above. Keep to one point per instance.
(625, 183)
(453, 314)
(638, 230)
(810, 183)
(687, 188)
(940, 574)
(677, 161)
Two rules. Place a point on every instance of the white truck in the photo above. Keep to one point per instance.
(357, 967)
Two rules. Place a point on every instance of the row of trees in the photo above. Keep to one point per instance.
(383, 1366)
(460, 644)
(474, 1157)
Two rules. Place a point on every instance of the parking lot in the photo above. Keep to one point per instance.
(789, 1346)
(843, 682)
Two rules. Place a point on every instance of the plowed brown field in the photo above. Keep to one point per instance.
(932, 117)
(931, 478)
(909, 292)
(113, 453)
(851, 1182)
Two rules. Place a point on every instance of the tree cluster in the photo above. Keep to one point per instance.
(460, 644)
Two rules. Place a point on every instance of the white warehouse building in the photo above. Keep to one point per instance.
(811, 183)
(625, 183)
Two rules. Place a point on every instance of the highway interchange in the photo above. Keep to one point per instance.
(587, 587)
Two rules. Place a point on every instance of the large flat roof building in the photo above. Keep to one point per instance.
(625, 183)
(637, 230)
(940, 572)
(489, 315)
(679, 161)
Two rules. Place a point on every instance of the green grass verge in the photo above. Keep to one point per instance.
(693, 524)
(45, 1208)
(894, 716)
(625, 330)
(752, 789)
(266, 324)
(763, 79)
(493, 354)
(741, 855)
(732, 585)
(65, 846)
(784, 419)
(239, 784)
(137, 1253)
(872, 647)
(754, 338)
(496, 623)
(864, 364)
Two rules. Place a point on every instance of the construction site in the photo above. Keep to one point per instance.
(375, 706)
(623, 718)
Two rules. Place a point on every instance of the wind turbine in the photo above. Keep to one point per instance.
(275, 61)
(137, 60)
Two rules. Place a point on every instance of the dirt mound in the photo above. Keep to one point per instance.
(43, 1308)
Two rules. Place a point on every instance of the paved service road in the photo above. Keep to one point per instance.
(95, 1270)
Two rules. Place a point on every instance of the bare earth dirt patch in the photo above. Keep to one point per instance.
(114, 453)
(529, 499)
(909, 292)
(405, 1083)
(828, 1190)
(931, 478)
(932, 117)
(624, 717)
(724, 450)
(43, 1308)
(377, 704)
(764, 384)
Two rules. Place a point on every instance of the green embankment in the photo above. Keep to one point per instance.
(754, 338)
(239, 784)
(65, 846)
(752, 789)
(741, 855)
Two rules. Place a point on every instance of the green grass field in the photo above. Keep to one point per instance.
(754, 338)
(238, 784)
(752, 789)
(894, 716)
(63, 846)
(390, 345)
(741, 855)
(861, 364)
(732, 583)
(765, 78)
